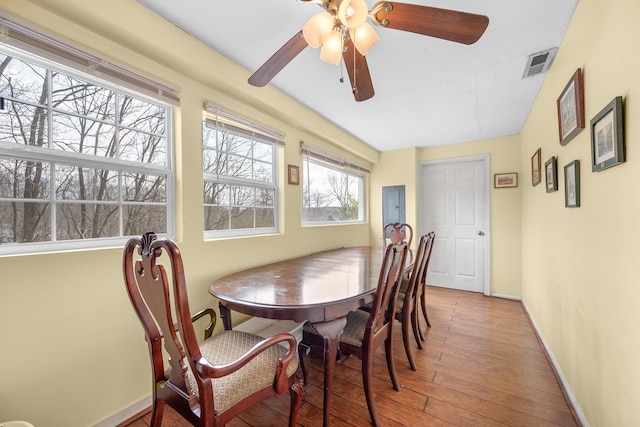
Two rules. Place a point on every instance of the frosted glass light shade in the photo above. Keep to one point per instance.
(352, 13)
(332, 48)
(317, 29)
(364, 38)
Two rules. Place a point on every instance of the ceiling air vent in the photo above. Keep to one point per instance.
(540, 62)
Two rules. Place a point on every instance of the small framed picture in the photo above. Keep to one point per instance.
(505, 180)
(551, 174)
(572, 184)
(536, 168)
(571, 108)
(294, 174)
(607, 139)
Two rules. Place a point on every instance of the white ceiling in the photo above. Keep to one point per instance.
(428, 91)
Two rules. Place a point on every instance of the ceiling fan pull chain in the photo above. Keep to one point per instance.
(354, 88)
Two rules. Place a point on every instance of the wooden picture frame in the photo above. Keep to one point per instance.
(505, 180)
(293, 173)
(571, 108)
(536, 168)
(572, 184)
(607, 137)
(551, 174)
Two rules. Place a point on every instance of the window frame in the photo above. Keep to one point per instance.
(55, 156)
(219, 119)
(331, 162)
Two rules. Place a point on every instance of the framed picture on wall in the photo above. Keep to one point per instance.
(551, 174)
(571, 108)
(536, 168)
(505, 180)
(572, 184)
(294, 174)
(607, 139)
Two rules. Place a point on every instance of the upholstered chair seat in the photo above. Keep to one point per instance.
(227, 347)
(353, 333)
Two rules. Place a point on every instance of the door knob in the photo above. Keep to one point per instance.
(480, 233)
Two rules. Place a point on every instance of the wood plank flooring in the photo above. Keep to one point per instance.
(482, 365)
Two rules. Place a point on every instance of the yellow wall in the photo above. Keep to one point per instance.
(396, 167)
(580, 275)
(72, 350)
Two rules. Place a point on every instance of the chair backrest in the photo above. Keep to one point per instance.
(421, 264)
(384, 303)
(155, 301)
(431, 237)
(397, 232)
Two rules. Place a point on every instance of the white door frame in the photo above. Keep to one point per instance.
(484, 158)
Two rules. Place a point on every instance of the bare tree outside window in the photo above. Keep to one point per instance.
(100, 166)
(239, 185)
(330, 195)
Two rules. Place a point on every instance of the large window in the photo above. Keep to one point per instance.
(240, 176)
(83, 162)
(332, 192)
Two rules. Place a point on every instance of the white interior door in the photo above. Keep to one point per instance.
(454, 206)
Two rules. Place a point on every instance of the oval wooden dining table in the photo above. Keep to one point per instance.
(321, 288)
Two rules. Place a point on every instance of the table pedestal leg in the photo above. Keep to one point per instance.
(330, 333)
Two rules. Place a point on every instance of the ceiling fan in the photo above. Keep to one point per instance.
(342, 32)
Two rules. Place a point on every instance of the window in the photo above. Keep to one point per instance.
(83, 162)
(331, 193)
(239, 161)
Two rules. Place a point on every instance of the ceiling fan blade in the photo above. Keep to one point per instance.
(452, 25)
(361, 84)
(278, 60)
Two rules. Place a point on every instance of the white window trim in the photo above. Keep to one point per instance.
(219, 117)
(331, 161)
(33, 53)
(79, 58)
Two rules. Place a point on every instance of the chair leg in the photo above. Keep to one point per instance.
(296, 391)
(391, 364)
(423, 303)
(303, 353)
(415, 326)
(157, 412)
(367, 372)
(406, 319)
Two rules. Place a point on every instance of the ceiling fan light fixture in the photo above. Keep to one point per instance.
(364, 38)
(353, 13)
(332, 47)
(317, 29)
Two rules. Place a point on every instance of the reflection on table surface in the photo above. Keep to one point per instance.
(309, 280)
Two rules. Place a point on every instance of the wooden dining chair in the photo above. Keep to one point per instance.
(421, 287)
(411, 289)
(365, 332)
(396, 232)
(211, 382)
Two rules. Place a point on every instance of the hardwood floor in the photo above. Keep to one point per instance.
(482, 365)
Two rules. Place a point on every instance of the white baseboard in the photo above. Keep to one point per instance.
(507, 296)
(565, 385)
(126, 413)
